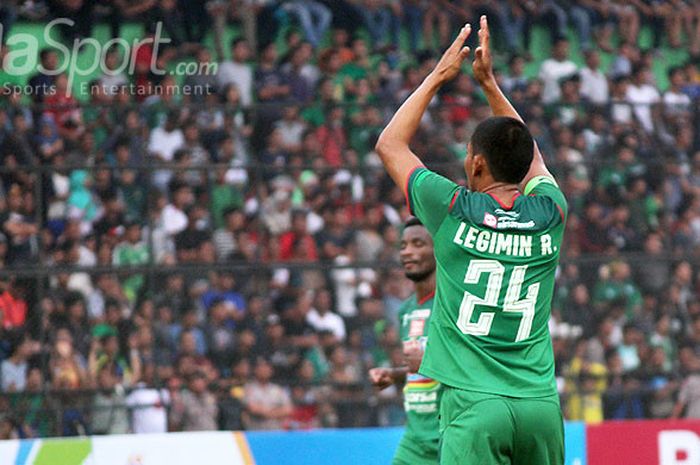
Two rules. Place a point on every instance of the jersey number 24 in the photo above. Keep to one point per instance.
(495, 270)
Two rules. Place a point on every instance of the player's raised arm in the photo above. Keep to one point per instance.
(500, 106)
(393, 143)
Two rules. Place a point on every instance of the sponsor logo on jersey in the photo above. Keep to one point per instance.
(416, 328)
(504, 219)
(502, 212)
(505, 223)
(421, 313)
(490, 220)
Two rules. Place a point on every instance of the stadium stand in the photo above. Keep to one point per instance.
(216, 246)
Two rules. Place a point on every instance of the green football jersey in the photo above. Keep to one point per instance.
(421, 394)
(496, 267)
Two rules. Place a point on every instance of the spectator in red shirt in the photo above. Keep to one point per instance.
(460, 99)
(13, 308)
(144, 58)
(297, 238)
(149, 68)
(62, 106)
(331, 136)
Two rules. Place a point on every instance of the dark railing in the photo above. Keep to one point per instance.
(57, 412)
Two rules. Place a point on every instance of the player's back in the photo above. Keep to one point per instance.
(496, 265)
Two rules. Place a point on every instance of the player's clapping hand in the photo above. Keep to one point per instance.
(381, 377)
(482, 66)
(450, 63)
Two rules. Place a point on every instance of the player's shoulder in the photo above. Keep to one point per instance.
(470, 205)
(541, 184)
(546, 193)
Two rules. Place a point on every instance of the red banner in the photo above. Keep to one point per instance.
(664, 442)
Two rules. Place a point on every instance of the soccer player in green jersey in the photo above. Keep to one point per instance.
(497, 247)
(419, 444)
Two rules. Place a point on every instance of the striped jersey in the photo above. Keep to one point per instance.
(421, 394)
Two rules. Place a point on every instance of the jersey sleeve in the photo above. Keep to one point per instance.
(430, 197)
(548, 187)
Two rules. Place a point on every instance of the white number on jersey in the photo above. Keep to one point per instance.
(526, 306)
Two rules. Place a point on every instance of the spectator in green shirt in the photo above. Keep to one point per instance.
(616, 284)
(132, 251)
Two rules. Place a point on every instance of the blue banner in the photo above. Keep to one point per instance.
(371, 446)
(575, 443)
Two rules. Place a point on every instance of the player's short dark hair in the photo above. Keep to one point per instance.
(412, 221)
(507, 145)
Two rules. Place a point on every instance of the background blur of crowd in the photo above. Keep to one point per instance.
(228, 259)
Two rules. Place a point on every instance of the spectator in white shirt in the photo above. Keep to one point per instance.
(643, 97)
(622, 64)
(594, 84)
(113, 77)
(148, 405)
(555, 68)
(516, 73)
(346, 283)
(291, 129)
(13, 370)
(237, 71)
(596, 134)
(162, 144)
(173, 218)
(676, 103)
(268, 405)
(620, 110)
(321, 318)
(301, 58)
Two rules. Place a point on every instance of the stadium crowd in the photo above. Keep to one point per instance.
(227, 257)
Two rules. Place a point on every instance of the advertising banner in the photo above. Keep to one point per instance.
(610, 443)
(215, 448)
(644, 443)
(575, 443)
(371, 446)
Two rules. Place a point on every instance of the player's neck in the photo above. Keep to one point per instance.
(503, 192)
(425, 288)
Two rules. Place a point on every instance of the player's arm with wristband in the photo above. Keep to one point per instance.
(500, 106)
(383, 377)
(393, 143)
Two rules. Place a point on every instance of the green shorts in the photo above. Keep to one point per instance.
(487, 429)
(412, 451)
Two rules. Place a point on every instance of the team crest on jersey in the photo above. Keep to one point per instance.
(490, 220)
